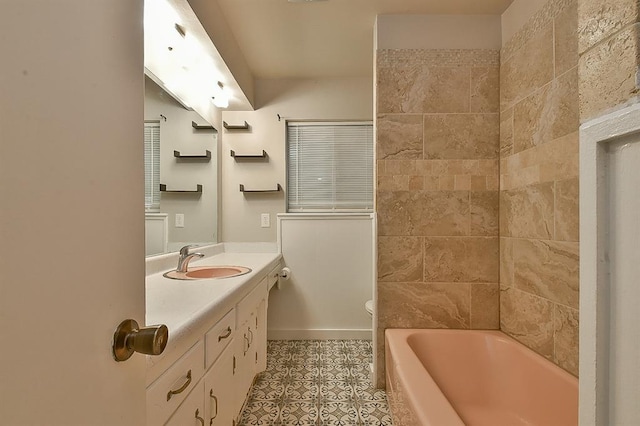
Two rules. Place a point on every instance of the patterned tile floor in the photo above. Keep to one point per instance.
(316, 382)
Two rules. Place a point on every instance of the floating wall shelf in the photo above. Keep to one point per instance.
(278, 189)
(202, 126)
(250, 156)
(206, 156)
(163, 188)
(244, 126)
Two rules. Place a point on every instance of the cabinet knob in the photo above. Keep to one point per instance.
(129, 337)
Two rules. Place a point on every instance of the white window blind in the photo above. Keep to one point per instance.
(152, 166)
(330, 166)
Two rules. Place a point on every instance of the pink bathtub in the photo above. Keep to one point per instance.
(474, 378)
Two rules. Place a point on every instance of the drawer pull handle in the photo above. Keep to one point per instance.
(198, 418)
(250, 336)
(246, 339)
(225, 335)
(215, 399)
(182, 388)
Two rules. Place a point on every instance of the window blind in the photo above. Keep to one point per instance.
(330, 166)
(152, 166)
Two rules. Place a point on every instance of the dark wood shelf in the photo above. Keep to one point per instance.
(278, 189)
(203, 126)
(250, 156)
(244, 126)
(198, 190)
(206, 156)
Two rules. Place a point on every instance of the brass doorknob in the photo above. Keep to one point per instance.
(129, 338)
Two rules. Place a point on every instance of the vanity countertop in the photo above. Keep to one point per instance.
(189, 308)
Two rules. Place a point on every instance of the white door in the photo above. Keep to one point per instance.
(71, 210)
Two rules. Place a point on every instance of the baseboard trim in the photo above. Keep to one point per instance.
(319, 334)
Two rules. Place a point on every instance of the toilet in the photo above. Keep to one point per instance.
(368, 305)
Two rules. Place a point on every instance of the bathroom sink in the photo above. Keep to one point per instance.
(206, 272)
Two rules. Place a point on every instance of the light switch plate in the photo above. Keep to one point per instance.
(265, 220)
(179, 220)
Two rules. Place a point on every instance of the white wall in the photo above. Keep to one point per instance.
(331, 258)
(177, 133)
(293, 99)
(438, 32)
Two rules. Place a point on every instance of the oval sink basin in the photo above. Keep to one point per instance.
(207, 272)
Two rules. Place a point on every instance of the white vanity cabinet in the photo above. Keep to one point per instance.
(191, 411)
(220, 407)
(208, 384)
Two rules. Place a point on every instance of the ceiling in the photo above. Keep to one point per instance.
(332, 38)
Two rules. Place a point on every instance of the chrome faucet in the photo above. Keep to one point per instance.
(185, 258)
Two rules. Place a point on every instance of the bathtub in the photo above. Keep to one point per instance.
(474, 378)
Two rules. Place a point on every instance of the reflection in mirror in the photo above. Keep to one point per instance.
(181, 159)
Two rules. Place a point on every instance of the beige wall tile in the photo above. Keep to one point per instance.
(423, 213)
(461, 136)
(423, 305)
(422, 89)
(393, 183)
(549, 269)
(527, 212)
(484, 207)
(506, 133)
(462, 183)
(416, 183)
(566, 39)
(431, 183)
(560, 158)
(598, 19)
(608, 74)
(506, 262)
(548, 114)
(424, 167)
(478, 183)
(528, 69)
(485, 306)
(400, 258)
(467, 259)
(485, 89)
(447, 183)
(400, 167)
(567, 214)
(399, 136)
(527, 318)
(566, 324)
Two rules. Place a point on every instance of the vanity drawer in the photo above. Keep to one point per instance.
(248, 305)
(171, 388)
(274, 275)
(219, 336)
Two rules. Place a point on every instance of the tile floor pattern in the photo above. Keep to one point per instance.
(316, 382)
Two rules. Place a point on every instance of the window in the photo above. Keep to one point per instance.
(152, 166)
(330, 166)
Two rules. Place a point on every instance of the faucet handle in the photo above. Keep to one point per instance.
(184, 251)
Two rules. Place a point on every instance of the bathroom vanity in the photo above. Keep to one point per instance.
(217, 335)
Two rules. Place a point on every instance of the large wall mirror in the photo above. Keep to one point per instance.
(181, 175)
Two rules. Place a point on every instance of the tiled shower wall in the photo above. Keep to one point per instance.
(539, 230)
(609, 33)
(437, 190)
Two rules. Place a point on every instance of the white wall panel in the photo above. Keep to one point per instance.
(332, 271)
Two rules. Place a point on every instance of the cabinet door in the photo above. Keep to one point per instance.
(261, 337)
(191, 411)
(243, 367)
(220, 408)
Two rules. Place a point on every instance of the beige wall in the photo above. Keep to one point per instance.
(437, 190)
(539, 184)
(609, 55)
(438, 32)
(293, 99)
